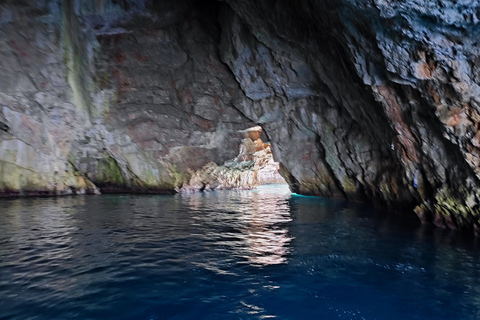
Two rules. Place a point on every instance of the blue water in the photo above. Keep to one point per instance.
(262, 254)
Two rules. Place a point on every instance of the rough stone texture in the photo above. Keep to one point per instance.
(366, 100)
(254, 166)
(362, 100)
(118, 97)
(268, 171)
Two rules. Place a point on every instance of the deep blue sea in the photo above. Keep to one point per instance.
(260, 254)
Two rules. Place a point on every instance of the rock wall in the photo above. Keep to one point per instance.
(374, 101)
(117, 97)
(366, 100)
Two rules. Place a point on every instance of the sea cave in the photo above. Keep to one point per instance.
(279, 141)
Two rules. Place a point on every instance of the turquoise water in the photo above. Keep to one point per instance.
(262, 254)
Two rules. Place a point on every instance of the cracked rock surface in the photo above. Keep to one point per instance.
(376, 101)
(121, 98)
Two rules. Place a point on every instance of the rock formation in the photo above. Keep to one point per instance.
(376, 101)
(254, 166)
(104, 95)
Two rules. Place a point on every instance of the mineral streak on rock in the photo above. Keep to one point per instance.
(98, 95)
(374, 101)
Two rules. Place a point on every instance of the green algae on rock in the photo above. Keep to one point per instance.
(364, 101)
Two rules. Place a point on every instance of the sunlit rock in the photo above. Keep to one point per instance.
(253, 166)
(365, 101)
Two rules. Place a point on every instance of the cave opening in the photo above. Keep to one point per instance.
(257, 151)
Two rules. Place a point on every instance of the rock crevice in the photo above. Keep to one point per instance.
(374, 101)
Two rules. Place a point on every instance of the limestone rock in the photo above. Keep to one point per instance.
(111, 97)
(389, 112)
(375, 101)
(253, 166)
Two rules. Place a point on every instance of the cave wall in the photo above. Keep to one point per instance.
(367, 100)
(116, 96)
(372, 101)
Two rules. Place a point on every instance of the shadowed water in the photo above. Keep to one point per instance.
(262, 254)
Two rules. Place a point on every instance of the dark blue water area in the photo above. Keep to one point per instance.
(261, 254)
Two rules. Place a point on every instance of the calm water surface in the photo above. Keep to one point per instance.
(263, 254)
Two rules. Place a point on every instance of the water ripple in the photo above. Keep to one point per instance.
(262, 254)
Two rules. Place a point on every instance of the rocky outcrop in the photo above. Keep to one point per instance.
(374, 101)
(254, 166)
(253, 150)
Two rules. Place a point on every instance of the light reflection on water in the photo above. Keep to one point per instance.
(251, 226)
(228, 255)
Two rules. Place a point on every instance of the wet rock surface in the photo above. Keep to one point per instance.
(373, 101)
